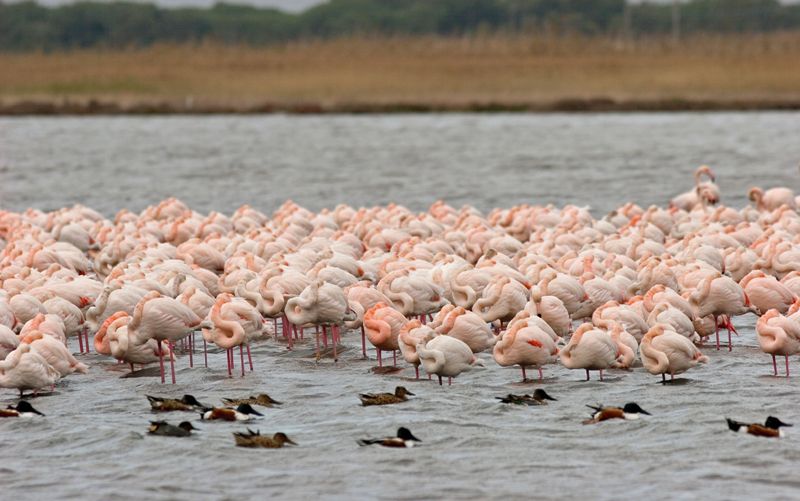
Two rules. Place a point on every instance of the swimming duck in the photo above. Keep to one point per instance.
(241, 413)
(255, 439)
(539, 397)
(261, 399)
(164, 429)
(630, 411)
(186, 403)
(771, 428)
(404, 438)
(23, 409)
(399, 395)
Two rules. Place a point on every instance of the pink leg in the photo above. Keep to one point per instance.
(249, 358)
(316, 337)
(524, 377)
(363, 342)
(171, 362)
(587, 374)
(161, 361)
(601, 374)
(275, 327)
(228, 355)
(394, 358)
(449, 381)
(241, 358)
(663, 378)
(440, 380)
(380, 362)
(787, 365)
(730, 345)
(774, 366)
(191, 348)
(80, 341)
(716, 331)
(205, 351)
(541, 376)
(86, 333)
(324, 336)
(416, 370)
(429, 377)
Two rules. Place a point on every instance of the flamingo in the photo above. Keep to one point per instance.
(24, 369)
(766, 292)
(664, 351)
(526, 346)
(468, 327)
(778, 335)
(412, 334)
(383, 324)
(719, 295)
(590, 349)
(446, 356)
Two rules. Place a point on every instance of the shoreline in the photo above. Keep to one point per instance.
(97, 107)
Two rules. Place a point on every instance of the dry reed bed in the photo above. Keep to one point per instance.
(447, 72)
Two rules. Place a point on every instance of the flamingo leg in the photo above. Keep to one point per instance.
(161, 361)
(80, 341)
(541, 376)
(587, 374)
(663, 378)
(191, 348)
(416, 370)
(716, 331)
(440, 380)
(380, 362)
(601, 374)
(249, 358)
(394, 358)
(730, 345)
(524, 377)
(363, 342)
(171, 362)
(205, 351)
(241, 357)
(316, 337)
(787, 366)
(774, 366)
(325, 336)
(449, 381)
(229, 355)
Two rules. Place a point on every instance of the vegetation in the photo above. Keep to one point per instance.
(28, 26)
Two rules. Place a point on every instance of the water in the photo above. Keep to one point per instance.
(93, 445)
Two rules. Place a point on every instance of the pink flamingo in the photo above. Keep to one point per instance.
(468, 327)
(778, 335)
(383, 325)
(665, 351)
(24, 369)
(526, 346)
(412, 334)
(766, 292)
(590, 349)
(720, 295)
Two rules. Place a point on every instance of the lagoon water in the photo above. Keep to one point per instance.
(93, 445)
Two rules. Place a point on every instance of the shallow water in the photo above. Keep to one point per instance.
(93, 444)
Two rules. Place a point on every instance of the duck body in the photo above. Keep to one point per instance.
(241, 413)
(404, 439)
(399, 395)
(770, 429)
(255, 439)
(22, 409)
(261, 399)
(601, 413)
(185, 403)
(164, 429)
(539, 397)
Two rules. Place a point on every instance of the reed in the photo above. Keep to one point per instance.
(402, 70)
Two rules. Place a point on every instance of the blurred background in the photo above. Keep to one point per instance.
(398, 55)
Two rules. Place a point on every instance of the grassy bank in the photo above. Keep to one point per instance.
(491, 72)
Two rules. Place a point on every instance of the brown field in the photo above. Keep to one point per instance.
(363, 74)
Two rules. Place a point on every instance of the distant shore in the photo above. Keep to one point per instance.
(411, 75)
(577, 105)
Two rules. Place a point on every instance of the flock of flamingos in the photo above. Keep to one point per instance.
(532, 285)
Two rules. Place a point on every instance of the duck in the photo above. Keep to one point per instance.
(164, 429)
(261, 399)
(241, 413)
(770, 428)
(22, 409)
(539, 397)
(602, 413)
(256, 439)
(399, 395)
(185, 403)
(404, 438)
